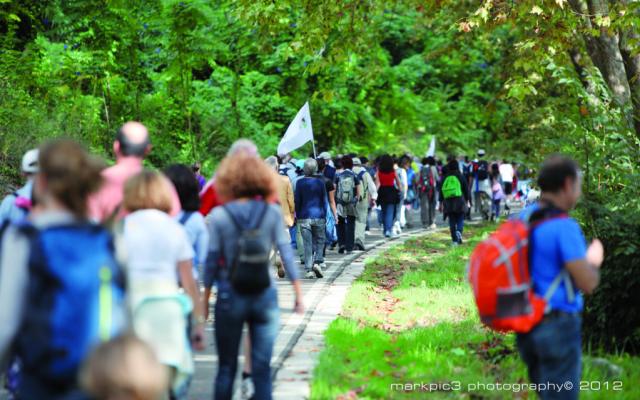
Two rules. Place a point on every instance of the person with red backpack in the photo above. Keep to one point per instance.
(528, 278)
(427, 188)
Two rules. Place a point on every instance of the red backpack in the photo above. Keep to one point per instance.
(499, 275)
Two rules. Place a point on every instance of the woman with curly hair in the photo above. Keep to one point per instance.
(242, 233)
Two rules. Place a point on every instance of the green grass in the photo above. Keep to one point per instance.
(410, 318)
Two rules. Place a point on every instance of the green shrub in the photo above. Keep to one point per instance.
(612, 316)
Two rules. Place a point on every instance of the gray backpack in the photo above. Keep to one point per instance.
(249, 269)
(346, 191)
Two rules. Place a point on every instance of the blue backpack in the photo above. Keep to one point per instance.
(75, 300)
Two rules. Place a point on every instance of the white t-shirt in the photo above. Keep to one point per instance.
(154, 244)
(506, 172)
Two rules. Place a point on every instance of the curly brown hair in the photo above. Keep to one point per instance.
(245, 176)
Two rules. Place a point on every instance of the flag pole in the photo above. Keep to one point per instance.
(313, 137)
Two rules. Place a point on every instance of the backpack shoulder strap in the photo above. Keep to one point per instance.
(263, 212)
(233, 219)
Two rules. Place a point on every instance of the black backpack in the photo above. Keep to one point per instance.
(249, 269)
(483, 170)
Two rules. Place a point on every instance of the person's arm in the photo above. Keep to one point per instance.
(332, 203)
(582, 264)
(13, 288)
(202, 242)
(185, 270)
(288, 260)
(398, 181)
(377, 180)
(586, 272)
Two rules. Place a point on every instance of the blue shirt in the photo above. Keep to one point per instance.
(310, 198)
(555, 243)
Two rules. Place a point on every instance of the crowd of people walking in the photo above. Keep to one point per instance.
(98, 265)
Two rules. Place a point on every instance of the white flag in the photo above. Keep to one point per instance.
(432, 147)
(298, 133)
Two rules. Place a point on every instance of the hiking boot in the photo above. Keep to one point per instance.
(317, 271)
(310, 275)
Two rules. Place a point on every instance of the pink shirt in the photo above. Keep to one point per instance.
(104, 202)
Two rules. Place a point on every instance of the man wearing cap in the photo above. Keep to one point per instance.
(17, 205)
(370, 194)
(329, 169)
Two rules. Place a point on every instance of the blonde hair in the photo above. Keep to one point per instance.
(125, 368)
(71, 174)
(148, 190)
(245, 176)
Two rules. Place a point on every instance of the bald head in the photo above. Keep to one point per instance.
(132, 140)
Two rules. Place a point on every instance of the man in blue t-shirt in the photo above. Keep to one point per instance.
(562, 266)
(310, 200)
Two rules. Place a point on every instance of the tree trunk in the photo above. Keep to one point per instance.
(632, 67)
(604, 51)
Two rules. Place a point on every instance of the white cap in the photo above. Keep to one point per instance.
(30, 162)
(325, 155)
(481, 152)
(356, 161)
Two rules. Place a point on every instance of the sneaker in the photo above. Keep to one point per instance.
(323, 266)
(459, 236)
(341, 251)
(432, 226)
(317, 271)
(310, 275)
(387, 234)
(247, 389)
(359, 246)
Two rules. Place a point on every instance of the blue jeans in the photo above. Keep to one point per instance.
(388, 215)
(495, 208)
(232, 310)
(292, 233)
(553, 353)
(456, 224)
(313, 236)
